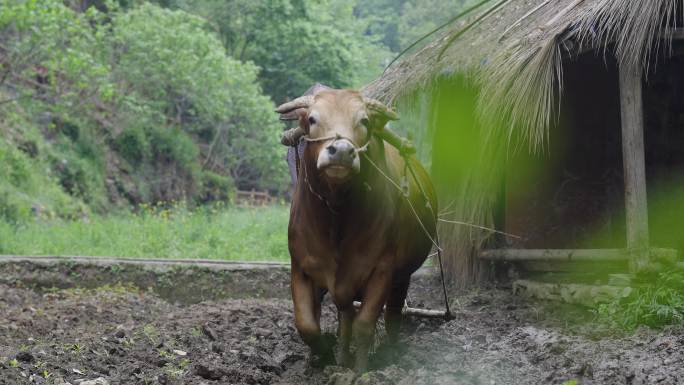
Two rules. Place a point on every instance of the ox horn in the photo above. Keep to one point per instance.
(293, 110)
(377, 107)
(300, 102)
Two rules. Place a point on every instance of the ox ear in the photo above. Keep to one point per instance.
(379, 113)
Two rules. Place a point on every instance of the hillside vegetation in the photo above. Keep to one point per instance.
(105, 105)
(126, 126)
(130, 106)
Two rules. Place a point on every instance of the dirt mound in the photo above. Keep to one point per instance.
(123, 334)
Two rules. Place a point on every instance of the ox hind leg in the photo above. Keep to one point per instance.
(346, 318)
(307, 311)
(363, 326)
(393, 308)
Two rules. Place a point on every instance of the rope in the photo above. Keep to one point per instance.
(427, 233)
(337, 136)
(447, 311)
(311, 189)
(415, 43)
(407, 165)
(480, 227)
(435, 241)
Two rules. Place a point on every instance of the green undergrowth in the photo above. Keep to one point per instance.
(28, 187)
(657, 302)
(211, 232)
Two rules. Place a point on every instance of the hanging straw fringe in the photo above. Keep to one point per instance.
(513, 56)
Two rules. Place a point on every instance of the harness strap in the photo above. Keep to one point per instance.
(403, 192)
(447, 312)
(358, 149)
(435, 241)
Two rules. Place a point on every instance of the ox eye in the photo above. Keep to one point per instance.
(365, 122)
(312, 120)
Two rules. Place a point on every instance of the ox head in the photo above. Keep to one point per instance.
(338, 124)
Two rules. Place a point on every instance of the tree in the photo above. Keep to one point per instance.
(382, 19)
(172, 64)
(138, 104)
(419, 17)
(295, 43)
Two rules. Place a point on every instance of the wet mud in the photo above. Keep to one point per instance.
(89, 325)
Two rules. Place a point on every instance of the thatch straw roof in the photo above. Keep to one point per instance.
(513, 50)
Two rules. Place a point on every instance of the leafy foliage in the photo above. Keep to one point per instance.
(25, 189)
(131, 106)
(178, 74)
(419, 17)
(658, 303)
(296, 42)
(111, 103)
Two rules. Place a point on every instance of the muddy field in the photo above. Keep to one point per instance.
(123, 324)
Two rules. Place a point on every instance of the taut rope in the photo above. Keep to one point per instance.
(404, 193)
(435, 241)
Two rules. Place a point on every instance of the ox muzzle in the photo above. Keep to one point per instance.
(339, 159)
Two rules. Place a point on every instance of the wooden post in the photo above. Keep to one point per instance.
(636, 210)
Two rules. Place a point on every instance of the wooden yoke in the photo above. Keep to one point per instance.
(404, 145)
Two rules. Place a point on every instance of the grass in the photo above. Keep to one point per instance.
(656, 302)
(219, 232)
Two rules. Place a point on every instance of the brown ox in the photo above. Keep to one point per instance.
(352, 233)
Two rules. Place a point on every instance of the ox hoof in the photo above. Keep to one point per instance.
(344, 358)
(361, 366)
(323, 354)
(343, 377)
(321, 360)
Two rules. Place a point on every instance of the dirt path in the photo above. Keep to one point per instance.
(129, 327)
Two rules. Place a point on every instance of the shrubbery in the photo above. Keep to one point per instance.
(27, 191)
(657, 301)
(124, 107)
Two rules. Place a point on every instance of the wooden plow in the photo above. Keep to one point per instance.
(415, 312)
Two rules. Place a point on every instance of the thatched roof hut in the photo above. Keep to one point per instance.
(508, 75)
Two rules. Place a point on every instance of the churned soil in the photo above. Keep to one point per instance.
(83, 324)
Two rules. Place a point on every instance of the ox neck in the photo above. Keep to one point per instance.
(365, 205)
(366, 189)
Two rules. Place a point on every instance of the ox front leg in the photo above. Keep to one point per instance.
(307, 311)
(375, 295)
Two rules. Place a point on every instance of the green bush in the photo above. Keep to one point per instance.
(658, 301)
(133, 145)
(28, 191)
(134, 105)
(177, 69)
(173, 145)
(217, 187)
